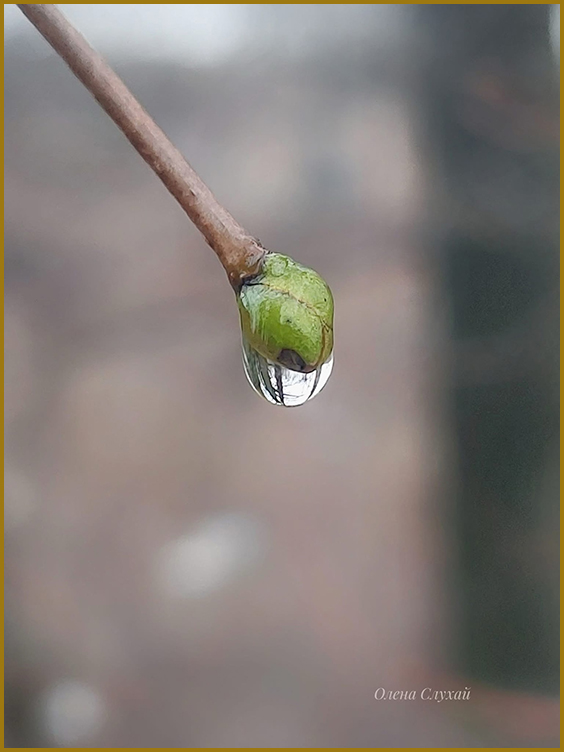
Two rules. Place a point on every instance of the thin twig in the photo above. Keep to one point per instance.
(239, 252)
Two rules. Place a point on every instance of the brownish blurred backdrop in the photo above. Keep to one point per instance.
(187, 565)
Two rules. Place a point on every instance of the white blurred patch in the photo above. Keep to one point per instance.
(19, 499)
(555, 30)
(212, 554)
(71, 712)
(197, 33)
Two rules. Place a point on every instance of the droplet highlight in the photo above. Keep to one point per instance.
(280, 385)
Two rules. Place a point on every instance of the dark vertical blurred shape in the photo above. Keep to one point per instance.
(491, 88)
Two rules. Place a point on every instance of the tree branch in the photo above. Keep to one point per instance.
(240, 254)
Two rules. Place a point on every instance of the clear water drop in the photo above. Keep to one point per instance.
(280, 385)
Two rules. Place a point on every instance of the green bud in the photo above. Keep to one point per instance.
(287, 314)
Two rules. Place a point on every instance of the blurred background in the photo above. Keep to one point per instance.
(189, 566)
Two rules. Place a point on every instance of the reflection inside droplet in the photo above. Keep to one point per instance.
(280, 385)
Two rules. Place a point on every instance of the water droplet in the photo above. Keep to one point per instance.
(280, 385)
